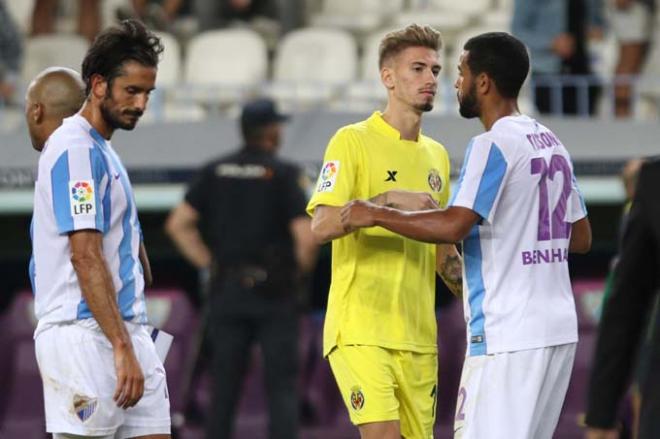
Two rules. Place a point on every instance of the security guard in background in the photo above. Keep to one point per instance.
(244, 218)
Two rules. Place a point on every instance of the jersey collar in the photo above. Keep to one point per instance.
(379, 124)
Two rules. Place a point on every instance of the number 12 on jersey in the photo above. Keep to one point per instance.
(552, 227)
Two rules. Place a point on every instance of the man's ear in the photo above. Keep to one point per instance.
(99, 86)
(387, 76)
(484, 83)
(37, 113)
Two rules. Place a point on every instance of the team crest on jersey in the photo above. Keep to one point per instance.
(84, 407)
(82, 197)
(328, 176)
(435, 181)
(357, 398)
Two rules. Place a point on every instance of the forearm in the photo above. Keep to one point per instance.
(189, 242)
(449, 266)
(431, 226)
(99, 294)
(146, 266)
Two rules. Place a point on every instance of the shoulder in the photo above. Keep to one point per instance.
(68, 137)
(433, 144)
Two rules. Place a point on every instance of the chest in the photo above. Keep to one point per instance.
(402, 167)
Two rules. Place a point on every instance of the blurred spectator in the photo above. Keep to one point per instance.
(556, 32)
(244, 218)
(45, 14)
(11, 54)
(261, 15)
(156, 14)
(622, 327)
(632, 22)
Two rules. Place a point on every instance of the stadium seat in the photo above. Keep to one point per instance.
(169, 67)
(312, 65)
(210, 78)
(21, 13)
(52, 50)
(649, 81)
(472, 7)
(171, 311)
(23, 407)
(358, 16)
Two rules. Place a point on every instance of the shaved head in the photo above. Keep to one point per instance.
(54, 94)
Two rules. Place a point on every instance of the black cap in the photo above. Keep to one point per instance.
(261, 112)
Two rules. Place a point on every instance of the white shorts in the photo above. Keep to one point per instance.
(514, 395)
(634, 24)
(78, 374)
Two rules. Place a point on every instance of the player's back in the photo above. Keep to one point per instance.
(518, 177)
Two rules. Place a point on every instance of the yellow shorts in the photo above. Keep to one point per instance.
(379, 384)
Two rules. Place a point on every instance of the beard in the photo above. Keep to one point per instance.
(468, 106)
(113, 115)
(425, 107)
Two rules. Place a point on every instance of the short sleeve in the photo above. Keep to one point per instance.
(198, 192)
(80, 190)
(577, 209)
(481, 179)
(295, 197)
(336, 183)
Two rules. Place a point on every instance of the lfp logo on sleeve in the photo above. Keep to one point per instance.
(328, 176)
(82, 197)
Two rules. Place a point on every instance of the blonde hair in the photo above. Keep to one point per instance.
(412, 35)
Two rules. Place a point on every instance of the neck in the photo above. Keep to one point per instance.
(93, 115)
(497, 110)
(407, 121)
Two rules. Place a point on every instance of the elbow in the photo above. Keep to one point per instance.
(171, 227)
(582, 247)
(319, 236)
(83, 259)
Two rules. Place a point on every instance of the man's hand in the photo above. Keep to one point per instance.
(130, 380)
(599, 433)
(564, 45)
(408, 200)
(623, 4)
(358, 214)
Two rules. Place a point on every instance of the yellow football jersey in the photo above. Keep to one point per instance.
(382, 291)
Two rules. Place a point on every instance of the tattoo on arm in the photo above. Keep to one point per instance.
(451, 272)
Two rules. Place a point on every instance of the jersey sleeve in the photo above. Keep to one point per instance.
(295, 197)
(577, 209)
(481, 179)
(80, 190)
(198, 191)
(337, 179)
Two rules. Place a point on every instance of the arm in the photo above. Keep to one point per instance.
(327, 225)
(434, 226)
(146, 266)
(181, 226)
(306, 248)
(580, 236)
(622, 323)
(449, 266)
(99, 293)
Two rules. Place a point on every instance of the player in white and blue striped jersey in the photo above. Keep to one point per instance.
(519, 213)
(102, 376)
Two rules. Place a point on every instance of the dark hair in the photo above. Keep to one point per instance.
(412, 35)
(501, 56)
(127, 41)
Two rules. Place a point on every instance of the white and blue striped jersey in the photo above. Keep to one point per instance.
(518, 178)
(82, 184)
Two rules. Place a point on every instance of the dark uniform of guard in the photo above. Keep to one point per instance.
(246, 202)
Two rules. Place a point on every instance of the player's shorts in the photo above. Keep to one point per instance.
(379, 384)
(78, 373)
(513, 395)
(634, 24)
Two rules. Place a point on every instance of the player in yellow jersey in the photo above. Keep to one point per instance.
(380, 328)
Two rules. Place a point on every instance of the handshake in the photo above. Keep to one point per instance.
(365, 213)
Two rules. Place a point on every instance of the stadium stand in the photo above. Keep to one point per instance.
(312, 65)
(63, 50)
(357, 16)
